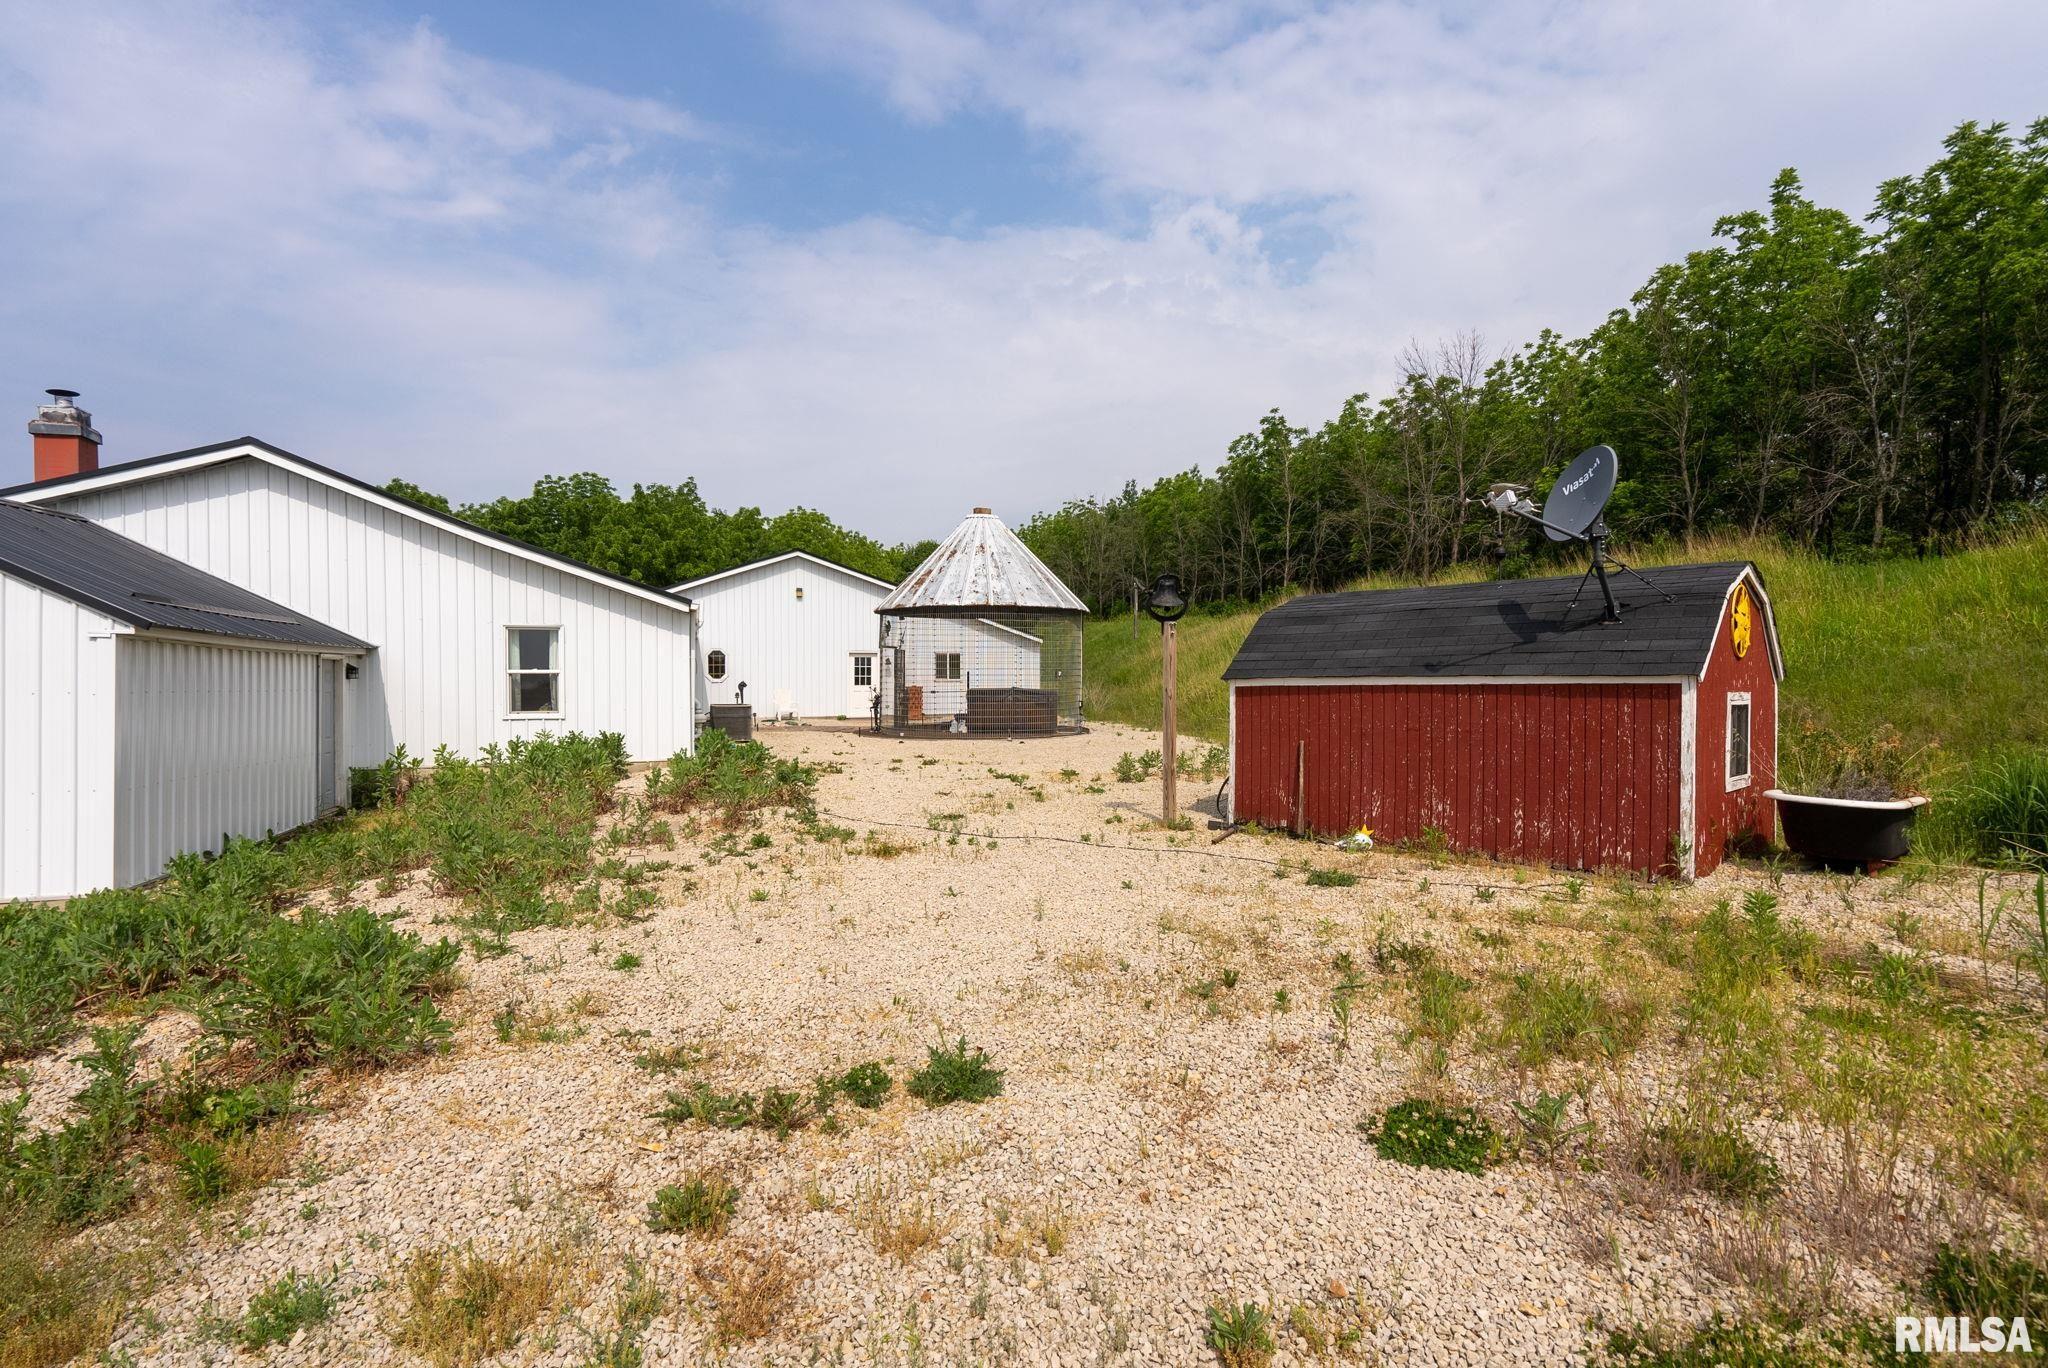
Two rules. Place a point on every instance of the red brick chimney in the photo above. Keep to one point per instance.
(66, 441)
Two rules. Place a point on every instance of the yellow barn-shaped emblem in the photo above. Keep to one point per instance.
(1741, 621)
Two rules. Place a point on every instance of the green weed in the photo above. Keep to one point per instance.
(732, 780)
(866, 1085)
(701, 1205)
(1548, 1015)
(1423, 1134)
(1979, 1282)
(1240, 1335)
(955, 1074)
(284, 1308)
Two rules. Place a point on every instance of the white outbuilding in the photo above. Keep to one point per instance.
(455, 636)
(797, 631)
(148, 708)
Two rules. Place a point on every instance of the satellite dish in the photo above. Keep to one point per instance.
(1580, 493)
(1572, 513)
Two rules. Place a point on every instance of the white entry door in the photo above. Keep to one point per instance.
(860, 700)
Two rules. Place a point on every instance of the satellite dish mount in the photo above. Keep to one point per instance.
(1573, 512)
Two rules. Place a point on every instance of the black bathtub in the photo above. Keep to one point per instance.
(1846, 831)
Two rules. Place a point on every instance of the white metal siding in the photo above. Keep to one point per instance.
(56, 744)
(210, 741)
(991, 658)
(435, 605)
(784, 646)
(781, 646)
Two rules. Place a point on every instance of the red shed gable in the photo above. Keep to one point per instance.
(1736, 728)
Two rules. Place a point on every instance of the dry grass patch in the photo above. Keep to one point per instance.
(56, 1303)
(463, 1305)
(899, 1220)
(1780, 1272)
(749, 1286)
(1009, 1233)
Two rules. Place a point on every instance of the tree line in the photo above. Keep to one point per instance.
(665, 534)
(1864, 388)
(1861, 388)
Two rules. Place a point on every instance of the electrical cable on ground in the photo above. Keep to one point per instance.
(1208, 851)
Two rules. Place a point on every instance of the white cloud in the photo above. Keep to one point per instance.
(402, 258)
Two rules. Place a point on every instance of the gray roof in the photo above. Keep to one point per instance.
(1501, 628)
(982, 567)
(98, 567)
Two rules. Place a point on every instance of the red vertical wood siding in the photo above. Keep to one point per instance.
(1723, 817)
(1582, 776)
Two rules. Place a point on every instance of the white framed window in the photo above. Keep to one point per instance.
(714, 664)
(863, 672)
(946, 665)
(533, 669)
(1739, 714)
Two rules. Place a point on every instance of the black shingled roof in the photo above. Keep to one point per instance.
(124, 579)
(1499, 628)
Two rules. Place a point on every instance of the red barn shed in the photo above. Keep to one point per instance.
(1513, 727)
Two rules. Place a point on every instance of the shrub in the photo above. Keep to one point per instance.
(702, 1205)
(1241, 1336)
(228, 1112)
(1131, 769)
(733, 778)
(77, 1174)
(956, 1074)
(1422, 1134)
(284, 1308)
(335, 987)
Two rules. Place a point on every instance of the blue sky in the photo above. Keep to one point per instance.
(886, 258)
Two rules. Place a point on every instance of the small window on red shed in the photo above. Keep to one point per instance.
(1738, 740)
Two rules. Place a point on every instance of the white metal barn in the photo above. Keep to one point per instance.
(475, 638)
(148, 708)
(799, 632)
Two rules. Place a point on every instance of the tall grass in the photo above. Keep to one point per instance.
(1995, 812)
(1948, 650)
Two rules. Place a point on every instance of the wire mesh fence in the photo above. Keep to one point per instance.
(971, 674)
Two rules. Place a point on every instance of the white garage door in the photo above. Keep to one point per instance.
(210, 740)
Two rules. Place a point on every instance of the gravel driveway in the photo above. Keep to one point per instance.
(1167, 1137)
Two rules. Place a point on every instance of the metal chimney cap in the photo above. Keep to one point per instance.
(62, 396)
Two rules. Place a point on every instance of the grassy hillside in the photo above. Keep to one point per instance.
(1951, 651)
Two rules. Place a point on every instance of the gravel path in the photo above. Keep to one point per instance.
(1181, 1149)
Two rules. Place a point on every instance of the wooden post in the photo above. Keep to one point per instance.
(1300, 787)
(1168, 669)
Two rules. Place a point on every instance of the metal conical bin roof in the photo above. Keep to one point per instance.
(985, 568)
